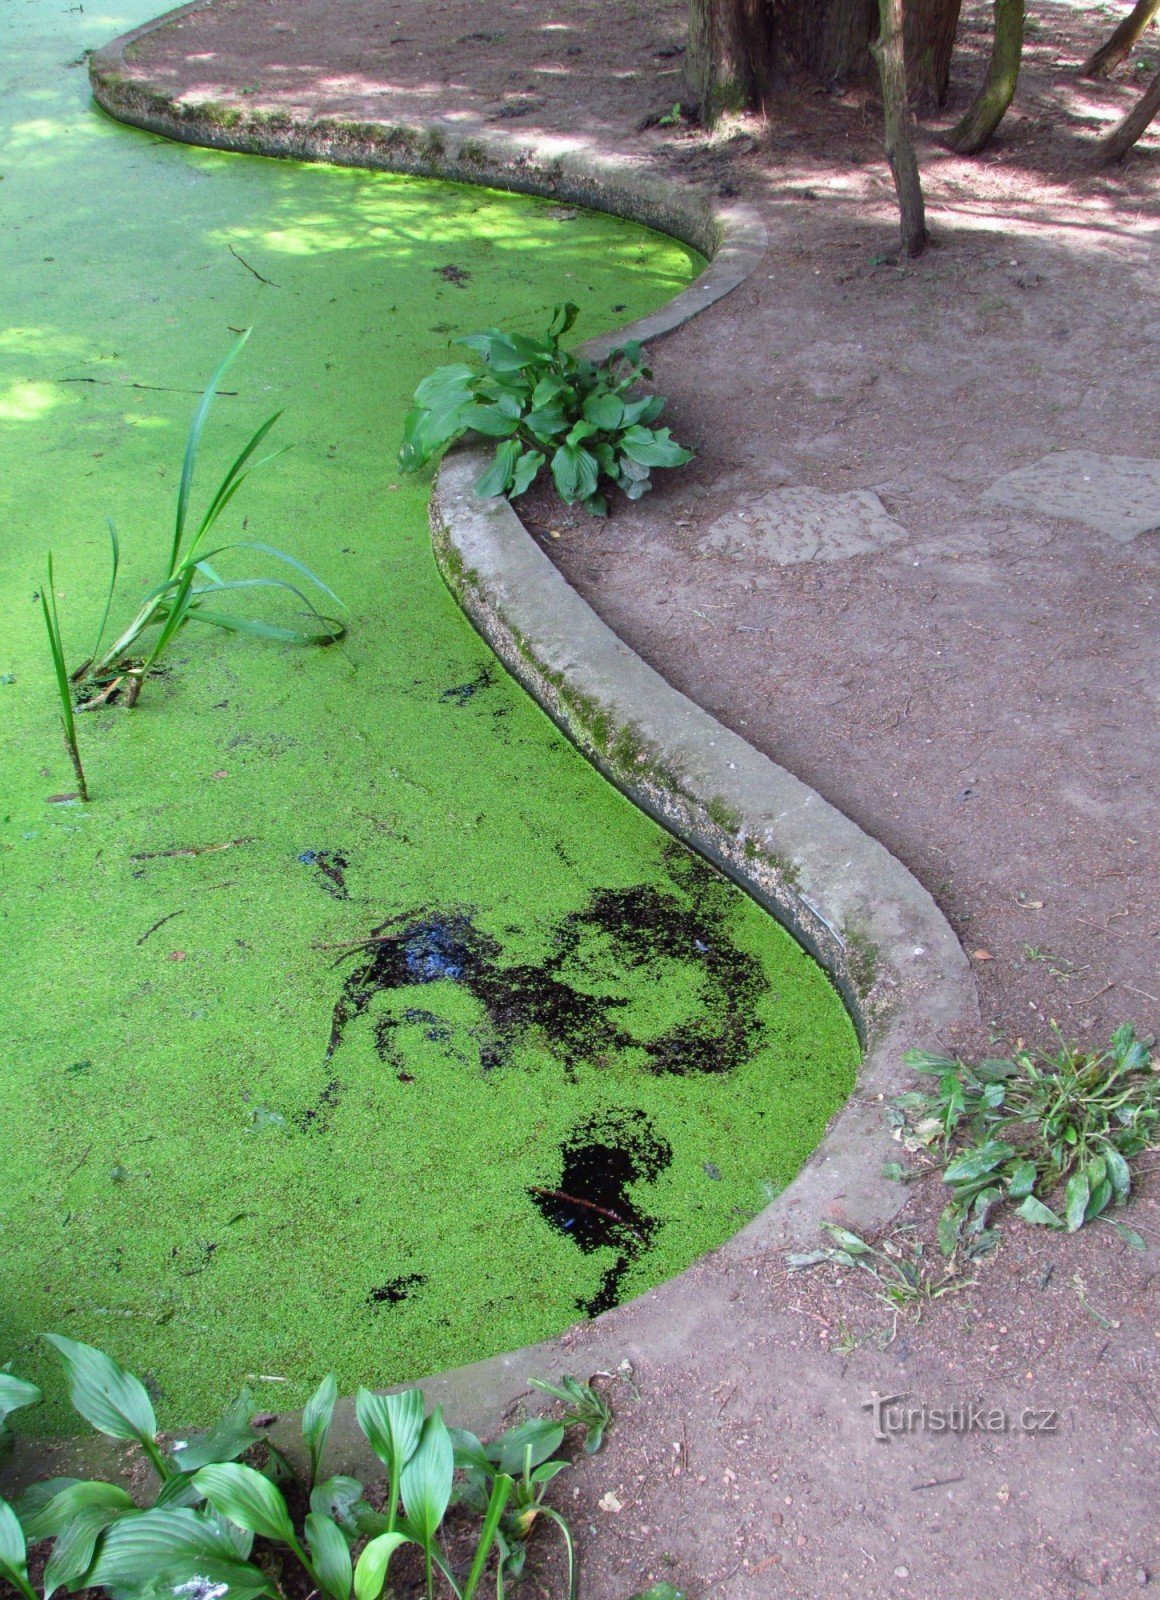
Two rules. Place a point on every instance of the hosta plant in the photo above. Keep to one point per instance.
(545, 406)
(219, 1527)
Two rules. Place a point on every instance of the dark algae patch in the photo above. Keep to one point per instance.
(592, 1204)
(331, 866)
(353, 968)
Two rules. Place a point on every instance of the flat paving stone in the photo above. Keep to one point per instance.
(1117, 495)
(803, 524)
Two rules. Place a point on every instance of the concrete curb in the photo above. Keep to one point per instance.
(863, 916)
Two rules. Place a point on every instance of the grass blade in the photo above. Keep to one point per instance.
(63, 684)
(108, 600)
(267, 630)
(229, 485)
(500, 1491)
(192, 443)
(564, 1529)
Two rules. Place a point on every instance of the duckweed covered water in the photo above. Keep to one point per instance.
(357, 1023)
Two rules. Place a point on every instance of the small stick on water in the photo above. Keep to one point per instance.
(160, 923)
(588, 1205)
(189, 850)
(249, 268)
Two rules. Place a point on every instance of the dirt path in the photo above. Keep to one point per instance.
(970, 678)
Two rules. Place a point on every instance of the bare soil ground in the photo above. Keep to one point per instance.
(977, 693)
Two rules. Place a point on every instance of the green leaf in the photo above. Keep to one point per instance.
(1119, 1175)
(498, 477)
(15, 1394)
(186, 1577)
(445, 388)
(316, 1419)
(426, 1479)
(230, 1437)
(1129, 1235)
(549, 388)
(604, 411)
(1075, 1198)
(563, 320)
(949, 1225)
(113, 1400)
(371, 1573)
(1100, 1199)
(1033, 1210)
(525, 472)
(469, 1453)
(392, 1424)
(539, 1435)
(661, 1591)
(247, 1498)
(848, 1241)
(70, 1501)
(930, 1062)
(1022, 1180)
(13, 1550)
(575, 473)
(72, 1554)
(268, 630)
(342, 1500)
(545, 422)
(654, 448)
(330, 1556)
(191, 448)
(132, 1550)
(501, 1491)
(38, 1495)
(643, 411)
(489, 420)
(975, 1162)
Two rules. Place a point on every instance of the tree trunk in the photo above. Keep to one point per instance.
(975, 129)
(1121, 44)
(829, 39)
(891, 59)
(1124, 135)
(731, 57)
(738, 49)
(929, 28)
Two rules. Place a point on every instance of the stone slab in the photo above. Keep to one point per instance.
(1116, 495)
(787, 526)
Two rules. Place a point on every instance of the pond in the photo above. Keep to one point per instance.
(357, 1024)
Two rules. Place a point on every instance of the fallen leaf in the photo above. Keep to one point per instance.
(982, 955)
(609, 1502)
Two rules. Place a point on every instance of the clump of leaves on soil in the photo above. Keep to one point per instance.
(220, 1528)
(546, 406)
(1031, 1129)
(898, 1267)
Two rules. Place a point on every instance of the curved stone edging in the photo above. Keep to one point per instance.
(864, 917)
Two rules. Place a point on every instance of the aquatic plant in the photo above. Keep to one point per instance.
(190, 581)
(63, 685)
(198, 1537)
(545, 405)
